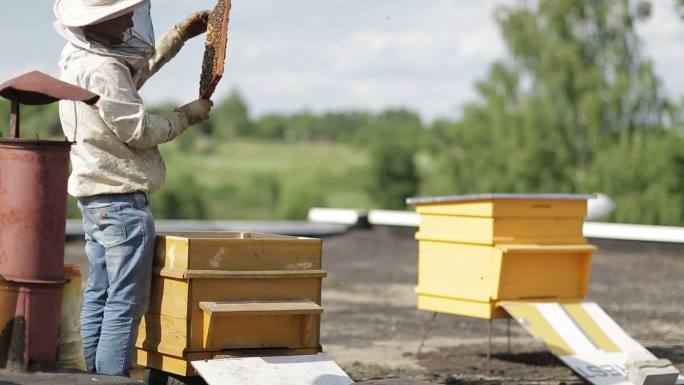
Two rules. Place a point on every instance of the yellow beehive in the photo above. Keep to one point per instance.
(477, 250)
(227, 293)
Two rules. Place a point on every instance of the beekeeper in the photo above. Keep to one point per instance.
(115, 161)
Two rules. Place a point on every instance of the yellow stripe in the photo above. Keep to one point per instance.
(535, 323)
(590, 328)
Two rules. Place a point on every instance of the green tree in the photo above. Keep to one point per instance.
(575, 82)
(393, 143)
(230, 118)
(589, 81)
(298, 197)
(645, 176)
(180, 198)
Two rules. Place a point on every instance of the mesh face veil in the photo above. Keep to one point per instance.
(129, 36)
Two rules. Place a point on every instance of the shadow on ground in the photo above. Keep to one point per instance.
(542, 359)
(672, 353)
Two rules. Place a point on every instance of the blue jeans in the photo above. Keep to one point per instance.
(119, 234)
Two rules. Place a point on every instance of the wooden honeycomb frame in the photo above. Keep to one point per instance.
(215, 48)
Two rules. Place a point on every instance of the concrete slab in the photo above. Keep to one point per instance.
(291, 370)
(74, 227)
(62, 378)
(393, 382)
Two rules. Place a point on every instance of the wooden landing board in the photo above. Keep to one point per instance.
(291, 370)
(583, 336)
(304, 306)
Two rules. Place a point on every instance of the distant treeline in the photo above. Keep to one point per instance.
(575, 107)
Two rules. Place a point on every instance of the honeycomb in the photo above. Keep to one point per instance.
(215, 48)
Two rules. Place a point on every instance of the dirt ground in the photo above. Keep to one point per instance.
(372, 328)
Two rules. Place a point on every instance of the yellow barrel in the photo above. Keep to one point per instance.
(70, 345)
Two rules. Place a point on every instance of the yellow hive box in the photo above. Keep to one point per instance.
(478, 250)
(218, 292)
(503, 219)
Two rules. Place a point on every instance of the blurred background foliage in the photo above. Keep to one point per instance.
(574, 107)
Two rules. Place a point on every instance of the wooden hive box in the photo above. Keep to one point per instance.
(475, 251)
(227, 293)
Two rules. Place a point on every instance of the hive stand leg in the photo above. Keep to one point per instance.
(490, 331)
(508, 335)
(426, 333)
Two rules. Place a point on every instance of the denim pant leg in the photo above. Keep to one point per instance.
(124, 228)
(94, 299)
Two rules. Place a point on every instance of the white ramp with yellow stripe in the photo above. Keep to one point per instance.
(583, 336)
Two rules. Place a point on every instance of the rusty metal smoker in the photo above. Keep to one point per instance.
(33, 188)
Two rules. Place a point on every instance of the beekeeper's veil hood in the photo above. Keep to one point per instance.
(120, 28)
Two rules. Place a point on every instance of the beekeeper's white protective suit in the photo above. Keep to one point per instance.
(116, 139)
(115, 161)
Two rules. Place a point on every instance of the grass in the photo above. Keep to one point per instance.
(246, 179)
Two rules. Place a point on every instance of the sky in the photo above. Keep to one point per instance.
(287, 56)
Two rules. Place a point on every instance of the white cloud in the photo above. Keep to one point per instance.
(333, 54)
(663, 37)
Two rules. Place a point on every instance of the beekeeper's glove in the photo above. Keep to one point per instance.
(194, 25)
(170, 44)
(197, 111)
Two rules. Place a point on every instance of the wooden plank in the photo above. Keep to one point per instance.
(170, 364)
(164, 334)
(463, 307)
(171, 252)
(537, 276)
(245, 290)
(254, 289)
(457, 228)
(540, 208)
(456, 270)
(291, 307)
(232, 353)
(546, 248)
(182, 367)
(205, 234)
(521, 208)
(213, 274)
(169, 297)
(470, 208)
(263, 274)
(198, 328)
(223, 332)
(488, 231)
(255, 254)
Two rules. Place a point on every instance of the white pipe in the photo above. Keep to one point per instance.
(601, 230)
(340, 216)
(393, 218)
(634, 232)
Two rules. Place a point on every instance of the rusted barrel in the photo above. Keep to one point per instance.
(33, 194)
(33, 177)
(29, 325)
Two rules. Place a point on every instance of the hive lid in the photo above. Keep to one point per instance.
(37, 88)
(483, 197)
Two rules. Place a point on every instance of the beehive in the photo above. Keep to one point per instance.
(477, 250)
(227, 293)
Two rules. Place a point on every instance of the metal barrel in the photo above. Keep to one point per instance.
(33, 178)
(33, 196)
(29, 325)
